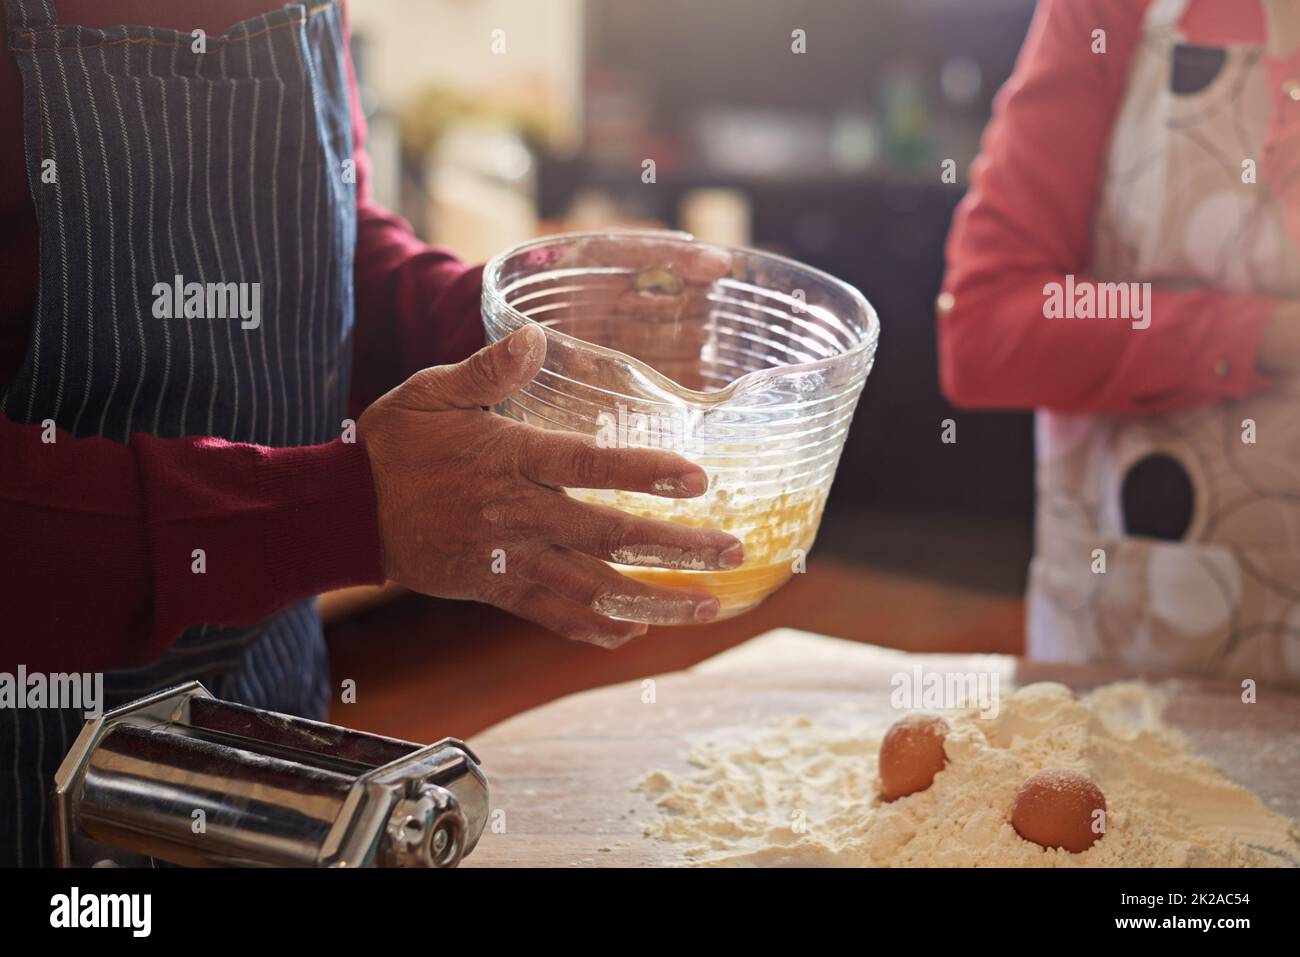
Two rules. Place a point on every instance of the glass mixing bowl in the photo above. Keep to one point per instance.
(746, 363)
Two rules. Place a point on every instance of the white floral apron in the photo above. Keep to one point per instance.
(1169, 542)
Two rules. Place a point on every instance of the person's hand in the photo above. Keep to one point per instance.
(471, 505)
(1283, 21)
(664, 275)
(656, 307)
(1279, 353)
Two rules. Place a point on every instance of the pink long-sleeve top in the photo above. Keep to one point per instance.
(1027, 221)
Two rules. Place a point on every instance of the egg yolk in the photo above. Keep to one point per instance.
(777, 533)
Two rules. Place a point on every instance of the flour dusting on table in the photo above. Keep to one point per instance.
(795, 791)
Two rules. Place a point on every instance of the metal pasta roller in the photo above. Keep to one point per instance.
(182, 777)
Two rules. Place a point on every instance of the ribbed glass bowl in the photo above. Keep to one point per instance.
(747, 363)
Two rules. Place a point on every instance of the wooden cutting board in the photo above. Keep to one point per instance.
(563, 775)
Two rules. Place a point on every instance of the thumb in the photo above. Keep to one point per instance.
(487, 377)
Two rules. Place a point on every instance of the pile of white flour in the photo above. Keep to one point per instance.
(802, 792)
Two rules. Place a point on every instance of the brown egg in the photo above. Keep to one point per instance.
(1054, 808)
(911, 754)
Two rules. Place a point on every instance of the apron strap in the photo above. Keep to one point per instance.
(29, 15)
(1166, 14)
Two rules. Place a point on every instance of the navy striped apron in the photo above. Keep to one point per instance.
(225, 166)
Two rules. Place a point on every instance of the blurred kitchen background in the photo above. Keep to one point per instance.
(493, 121)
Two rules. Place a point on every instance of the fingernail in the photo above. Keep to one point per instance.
(687, 484)
(732, 557)
(523, 342)
(693, 483)
(707, 610)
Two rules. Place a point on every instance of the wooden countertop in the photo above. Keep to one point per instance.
(564, 773)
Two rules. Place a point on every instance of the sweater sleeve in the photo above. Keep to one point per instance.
(1027, 222)
(120, 547)
(416, 305)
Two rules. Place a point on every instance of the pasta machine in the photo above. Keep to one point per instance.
(184, 778)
